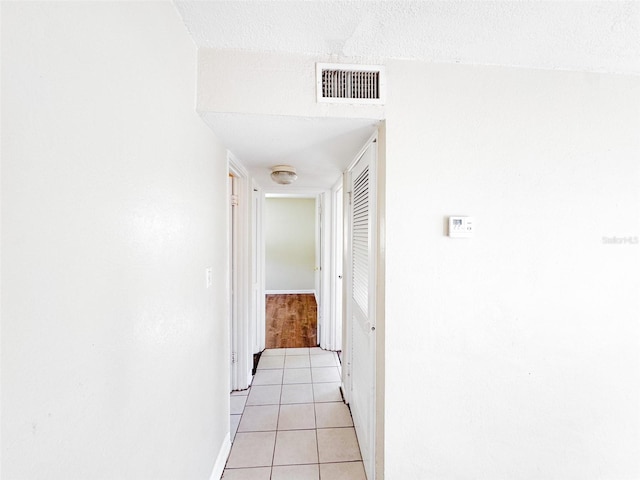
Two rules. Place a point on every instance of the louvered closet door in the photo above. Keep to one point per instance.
(361, 305)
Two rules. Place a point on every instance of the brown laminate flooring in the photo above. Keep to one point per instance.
(291, 321)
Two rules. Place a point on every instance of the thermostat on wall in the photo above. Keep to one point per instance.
(461, 227)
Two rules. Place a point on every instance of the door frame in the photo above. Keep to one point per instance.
(323, 276)
(240, 332)
(332, 337)
(258, 307)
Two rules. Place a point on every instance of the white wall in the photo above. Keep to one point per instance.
(114, 355)
(222, 73)
(290, 244)
(518, 347)
(522, 343)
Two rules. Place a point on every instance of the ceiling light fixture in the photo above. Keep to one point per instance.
(283, 174)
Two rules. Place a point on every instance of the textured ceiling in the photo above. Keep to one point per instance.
(567, 35)
(319, 148)
(558, 35)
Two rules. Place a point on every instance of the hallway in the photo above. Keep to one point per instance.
(292, 422)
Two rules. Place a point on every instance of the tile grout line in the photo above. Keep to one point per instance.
(275, 440)
(315, 415)
(316, 422)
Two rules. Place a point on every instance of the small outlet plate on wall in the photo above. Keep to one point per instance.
(461, 227)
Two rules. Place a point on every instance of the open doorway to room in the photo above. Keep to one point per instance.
(292, 264)
(339, 172)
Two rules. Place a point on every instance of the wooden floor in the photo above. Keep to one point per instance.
(291, 321)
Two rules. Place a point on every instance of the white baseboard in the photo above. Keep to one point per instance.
(289, 292)
(221, 460)
(342, 392)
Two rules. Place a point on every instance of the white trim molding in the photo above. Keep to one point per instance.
(289, 292)
(241, 357)
(221, 458)
(258, 311)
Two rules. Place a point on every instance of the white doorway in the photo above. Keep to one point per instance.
(363, 372)
(332, 334)
(239, 265)
(293, 262)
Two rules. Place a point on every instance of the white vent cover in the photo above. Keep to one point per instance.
(341, 83)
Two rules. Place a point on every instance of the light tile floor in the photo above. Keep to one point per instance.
(292, 423)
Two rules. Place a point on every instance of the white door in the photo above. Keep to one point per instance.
(318, 269)
(361, 304)
(233, 318)
(257, 272)
(338, 267)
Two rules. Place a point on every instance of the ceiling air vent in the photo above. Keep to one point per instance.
(340, 83)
